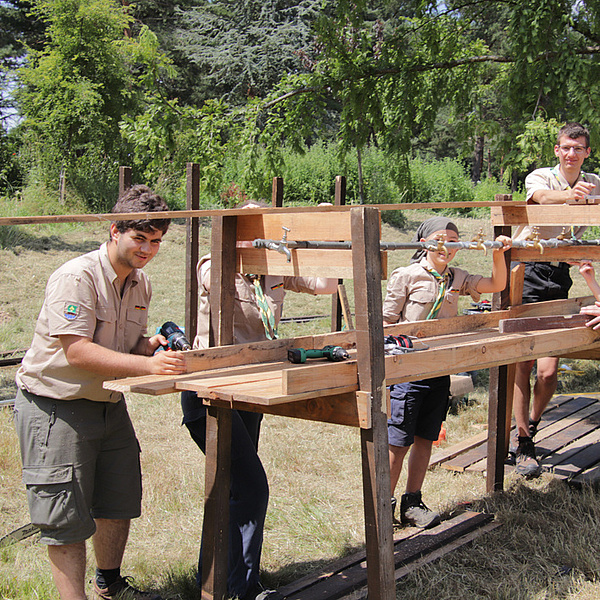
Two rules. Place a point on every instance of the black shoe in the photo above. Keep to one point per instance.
(414, 512)
(122, 589)
(395, 521)
(533, 427)
(527, 464)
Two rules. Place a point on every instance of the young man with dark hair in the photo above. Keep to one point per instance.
(548, 281)
(80, 455)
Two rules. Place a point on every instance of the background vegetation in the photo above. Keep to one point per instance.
(382, 91)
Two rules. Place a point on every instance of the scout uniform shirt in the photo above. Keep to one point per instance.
(247, 322)
(412, 291)
(550, 178)
(83, 298)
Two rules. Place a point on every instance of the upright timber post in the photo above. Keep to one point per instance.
(277, 192)
(192, 250)
(124, 179)
(336, 305)
(366, 260)
(499, 389)
(215, 528)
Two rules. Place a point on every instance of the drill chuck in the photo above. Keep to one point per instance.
(175, 337)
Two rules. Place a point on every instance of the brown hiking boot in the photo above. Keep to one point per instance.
(122, 589)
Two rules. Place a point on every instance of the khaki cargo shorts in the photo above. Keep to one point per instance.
(81, 461)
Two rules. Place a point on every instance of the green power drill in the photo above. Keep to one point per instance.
(332, 353)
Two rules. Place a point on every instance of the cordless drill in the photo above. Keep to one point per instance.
(176, 339)
(332, 353)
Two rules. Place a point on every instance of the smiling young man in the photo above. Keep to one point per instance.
(548, 281)
(80, 455)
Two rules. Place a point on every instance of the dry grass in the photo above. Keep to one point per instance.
(546, 549)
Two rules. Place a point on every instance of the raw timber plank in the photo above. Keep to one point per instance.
(573, 432)
(329, 375)
(306, 262)
(587, 477)
(579, 461)
(559, 459)
(557, 254)
(340, 409)
(548, 214)
(303, 226)
(446, 455)
(497, 350)
(569, 412)
(540, 323)
(409, 554)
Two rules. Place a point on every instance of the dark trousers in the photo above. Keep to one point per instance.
(249, 495)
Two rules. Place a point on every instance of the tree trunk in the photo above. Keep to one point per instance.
(478, 159)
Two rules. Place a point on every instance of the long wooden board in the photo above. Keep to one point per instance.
(547, 214)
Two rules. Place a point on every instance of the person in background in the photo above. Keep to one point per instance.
(81, 463)
(258, 307)
(427, 289)
(560, 184)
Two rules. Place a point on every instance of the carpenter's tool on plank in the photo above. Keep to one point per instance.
(332, 353)
(525, 324)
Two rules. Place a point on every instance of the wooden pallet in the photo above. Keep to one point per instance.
(566, 442)
(413, 548)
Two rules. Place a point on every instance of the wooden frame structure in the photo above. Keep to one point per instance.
(257, 376)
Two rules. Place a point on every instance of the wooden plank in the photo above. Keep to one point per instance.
(304, 379)
(547, 214)
(576, 457)
(572, 432)
(305, 262)
(442, 457)
(540, 323)
(277, 192)
(367, 275)
(192, 251)
(587, 477)
(568, 413)
(557, 254)
(303, 226)
(340, 582)
(340, 409)
(494, 351)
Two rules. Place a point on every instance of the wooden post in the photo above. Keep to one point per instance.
(215, 527)
(371, 368)
(192, 251)
(277, 192)
(499, 378)
(124, 179)
(336, 305)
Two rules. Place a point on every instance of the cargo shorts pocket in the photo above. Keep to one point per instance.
(51, 495)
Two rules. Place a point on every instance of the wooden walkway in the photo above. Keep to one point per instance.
(566, 443)
(347, 577)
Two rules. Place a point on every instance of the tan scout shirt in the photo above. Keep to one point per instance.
(550, 178)
(247, 323)
(83, 298)
(411, 292)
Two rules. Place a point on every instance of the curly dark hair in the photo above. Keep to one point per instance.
(573, 131)
(140, 198)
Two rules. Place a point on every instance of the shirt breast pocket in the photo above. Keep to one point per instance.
(137, 316)
(106, 315)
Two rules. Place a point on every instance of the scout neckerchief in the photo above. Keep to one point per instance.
(555, 172)
(266, 314)
(442, 284)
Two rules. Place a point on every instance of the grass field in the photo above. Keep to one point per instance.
(547, 548)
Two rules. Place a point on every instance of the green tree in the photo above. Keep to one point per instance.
(77, 89)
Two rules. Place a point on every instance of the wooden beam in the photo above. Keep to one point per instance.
(548, 214)
(371, 369)
(124, 179)
(277, 192)
(336, 301)
(541, 323)
(564, 254)
(192, 251)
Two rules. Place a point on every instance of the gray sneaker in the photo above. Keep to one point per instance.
(527, 464)
(414, 512)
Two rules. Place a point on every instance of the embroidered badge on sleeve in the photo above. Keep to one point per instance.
(71, 311)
